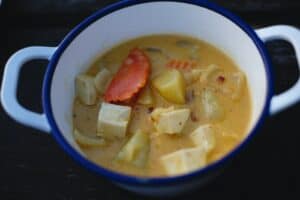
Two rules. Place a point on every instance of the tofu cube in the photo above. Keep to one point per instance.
(113, 121)
(85, 89)
(183, 161)
(204, 137)
(169, 120)
(102, 80)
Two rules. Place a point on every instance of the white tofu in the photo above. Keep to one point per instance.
(183, 161)
(102, 80)
(136, 150)
(113, 121)
(204, 137)
(85, 89)
(170, 120)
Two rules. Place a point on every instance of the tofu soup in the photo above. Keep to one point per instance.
(160, 105)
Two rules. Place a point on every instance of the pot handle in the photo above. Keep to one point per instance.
(292, 35)
(10, 83)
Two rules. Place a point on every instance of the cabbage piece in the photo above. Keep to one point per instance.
(136, 150)
(184, 160)
(204, 137)
(88, 141)
(85, 89)
(102, 80)
(211, 106)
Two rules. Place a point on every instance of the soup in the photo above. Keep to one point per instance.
(160, 105)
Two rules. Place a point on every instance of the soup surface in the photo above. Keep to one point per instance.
(176, 105)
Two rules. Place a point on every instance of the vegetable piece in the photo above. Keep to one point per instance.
(102, 80)
(154, 50)
(193, 75)
(88, 141)
(229, 83)
(204, 137)
(85, 89)
(207, 73)
(183, 161)
(192, 48)
(130, 79)
(136, 150)
(186, 44)
(169, 120)
(113, 121)
(146, 97)
(170, 85)
(235, 85)
(181, 64)
(211, 106)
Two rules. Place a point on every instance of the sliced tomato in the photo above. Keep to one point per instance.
(130, 79)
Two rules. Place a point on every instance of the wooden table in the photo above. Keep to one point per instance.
(33, 166)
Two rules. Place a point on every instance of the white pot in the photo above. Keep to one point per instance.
(130, 19)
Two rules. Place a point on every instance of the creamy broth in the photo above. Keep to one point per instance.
(230, 130)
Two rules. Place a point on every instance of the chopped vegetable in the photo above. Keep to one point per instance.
(113, 121)
(192, 48)
(170, 85)
(193, 75)
(85, 89)
(153, 50)
(183, 161)
(146, 97)
(181, 64)
(136, 150)
(230, 84)
(169, 120)
(186, 44)
(102, 80)
(204, 137)
(207, 73)
(211, 106)
(238, 80)
(88, 141)
(130, 79)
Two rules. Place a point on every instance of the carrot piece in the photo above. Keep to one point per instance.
(181, 64)
(130, 79)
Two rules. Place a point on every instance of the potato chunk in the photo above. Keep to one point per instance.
(136, 150)
(85, 89)
(88, 141)
(102, 80)
(146, 97)
(183, 161)
(204, 137)
(170, 85)
(169, 120)
(113, 121)
(211, 106)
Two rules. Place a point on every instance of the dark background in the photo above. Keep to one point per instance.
(33, 166)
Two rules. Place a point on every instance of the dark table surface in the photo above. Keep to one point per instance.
(33, 166)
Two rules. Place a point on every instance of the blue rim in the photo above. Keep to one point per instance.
(127, 179)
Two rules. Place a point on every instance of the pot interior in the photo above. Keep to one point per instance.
(146, 19)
